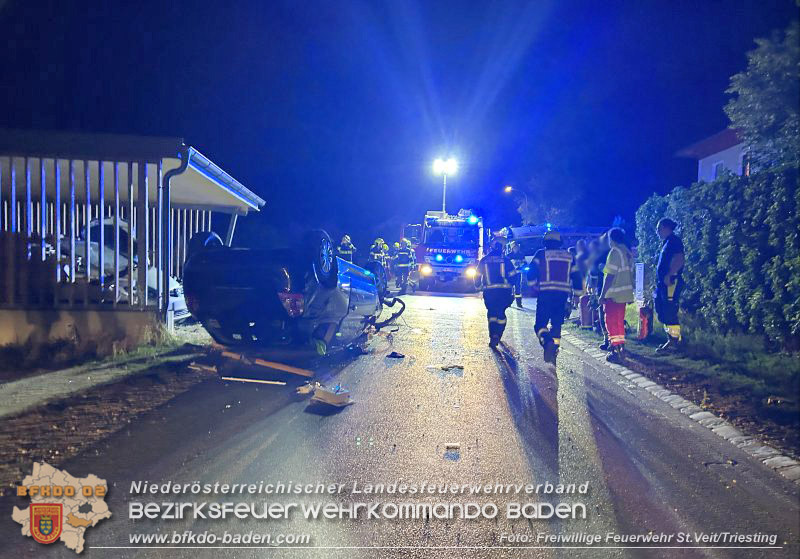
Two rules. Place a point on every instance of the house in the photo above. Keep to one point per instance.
(724, 151)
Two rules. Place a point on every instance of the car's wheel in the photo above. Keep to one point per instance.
(318, 247)
(201, 241)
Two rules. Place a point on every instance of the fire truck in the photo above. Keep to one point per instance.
(447, 248)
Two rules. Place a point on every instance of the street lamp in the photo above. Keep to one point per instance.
(508, 189)
(445, 167)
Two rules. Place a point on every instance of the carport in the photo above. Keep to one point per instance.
(60, 269)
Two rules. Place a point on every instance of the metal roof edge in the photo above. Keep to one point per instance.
(212, 171)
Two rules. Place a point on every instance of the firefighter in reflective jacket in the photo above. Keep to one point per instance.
(518, 260)
(555, 272)
(496, 275)
(346, 249)
(377, 253)
(404, 260)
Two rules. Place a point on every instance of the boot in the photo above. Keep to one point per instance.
(617, 355)
(670, 346)
(494, 341)
(519, 302)
(605, 346)
(550, 352)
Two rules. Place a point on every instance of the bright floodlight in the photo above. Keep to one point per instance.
(445, 166)
(508, 189)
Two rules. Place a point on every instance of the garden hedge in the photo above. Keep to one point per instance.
(742, 239)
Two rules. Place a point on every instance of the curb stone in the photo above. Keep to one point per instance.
(786, 466)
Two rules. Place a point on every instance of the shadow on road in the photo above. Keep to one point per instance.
(533, 402)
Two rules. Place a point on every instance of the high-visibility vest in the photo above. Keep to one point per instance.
(620, 265)
(377, 254)
(404, 258)
(555, 270)
(496, 271)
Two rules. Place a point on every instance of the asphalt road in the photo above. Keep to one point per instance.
(515, 420)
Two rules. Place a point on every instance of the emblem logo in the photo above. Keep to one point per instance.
(46, 522)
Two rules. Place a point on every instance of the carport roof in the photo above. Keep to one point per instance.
(203, 185)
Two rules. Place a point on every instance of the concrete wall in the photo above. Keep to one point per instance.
(100, 331)
(730, 158)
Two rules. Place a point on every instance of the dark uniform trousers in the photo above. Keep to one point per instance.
(402, 265)
(550, 307)
(667, 300)
(516, 281)
(497, 300)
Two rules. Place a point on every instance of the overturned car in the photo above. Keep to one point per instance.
(262, 301)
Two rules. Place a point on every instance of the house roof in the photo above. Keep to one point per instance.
(713, 144)
(203, 185)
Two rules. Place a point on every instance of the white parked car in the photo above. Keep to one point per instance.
(176, 298)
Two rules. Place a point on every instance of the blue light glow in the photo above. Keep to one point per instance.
(439, 257)
(548, 225)
(472, 220)
(459, 258)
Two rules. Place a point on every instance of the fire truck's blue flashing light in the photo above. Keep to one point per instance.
(548, 225)
(459, 258)
(439, 257)
(473, 220)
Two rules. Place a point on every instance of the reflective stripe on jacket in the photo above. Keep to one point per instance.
(496, 271)
(554, 270)
(620, 265)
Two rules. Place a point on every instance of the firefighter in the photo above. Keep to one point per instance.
(518, 260)
(556, 274)
(346, 249)
(617, 292)
(376, 251)
(669, 282)
(496, 275)
(403, 263)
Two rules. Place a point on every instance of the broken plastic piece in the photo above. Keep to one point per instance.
(452, 446)
(337, 396)
(396, 355)
(448, 367)
(307, 388)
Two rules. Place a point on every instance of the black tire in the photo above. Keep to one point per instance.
(319, 249)
(202, 240)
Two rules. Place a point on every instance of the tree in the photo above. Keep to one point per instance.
(764, 108)
(539, 205)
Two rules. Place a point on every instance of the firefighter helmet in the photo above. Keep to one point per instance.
(397, 245)
(346, 239)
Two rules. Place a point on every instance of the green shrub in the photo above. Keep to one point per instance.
(742, 239)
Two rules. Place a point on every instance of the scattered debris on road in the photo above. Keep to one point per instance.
(337, 396)
(396, 355)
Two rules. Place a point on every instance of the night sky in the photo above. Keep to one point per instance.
(333, 111)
